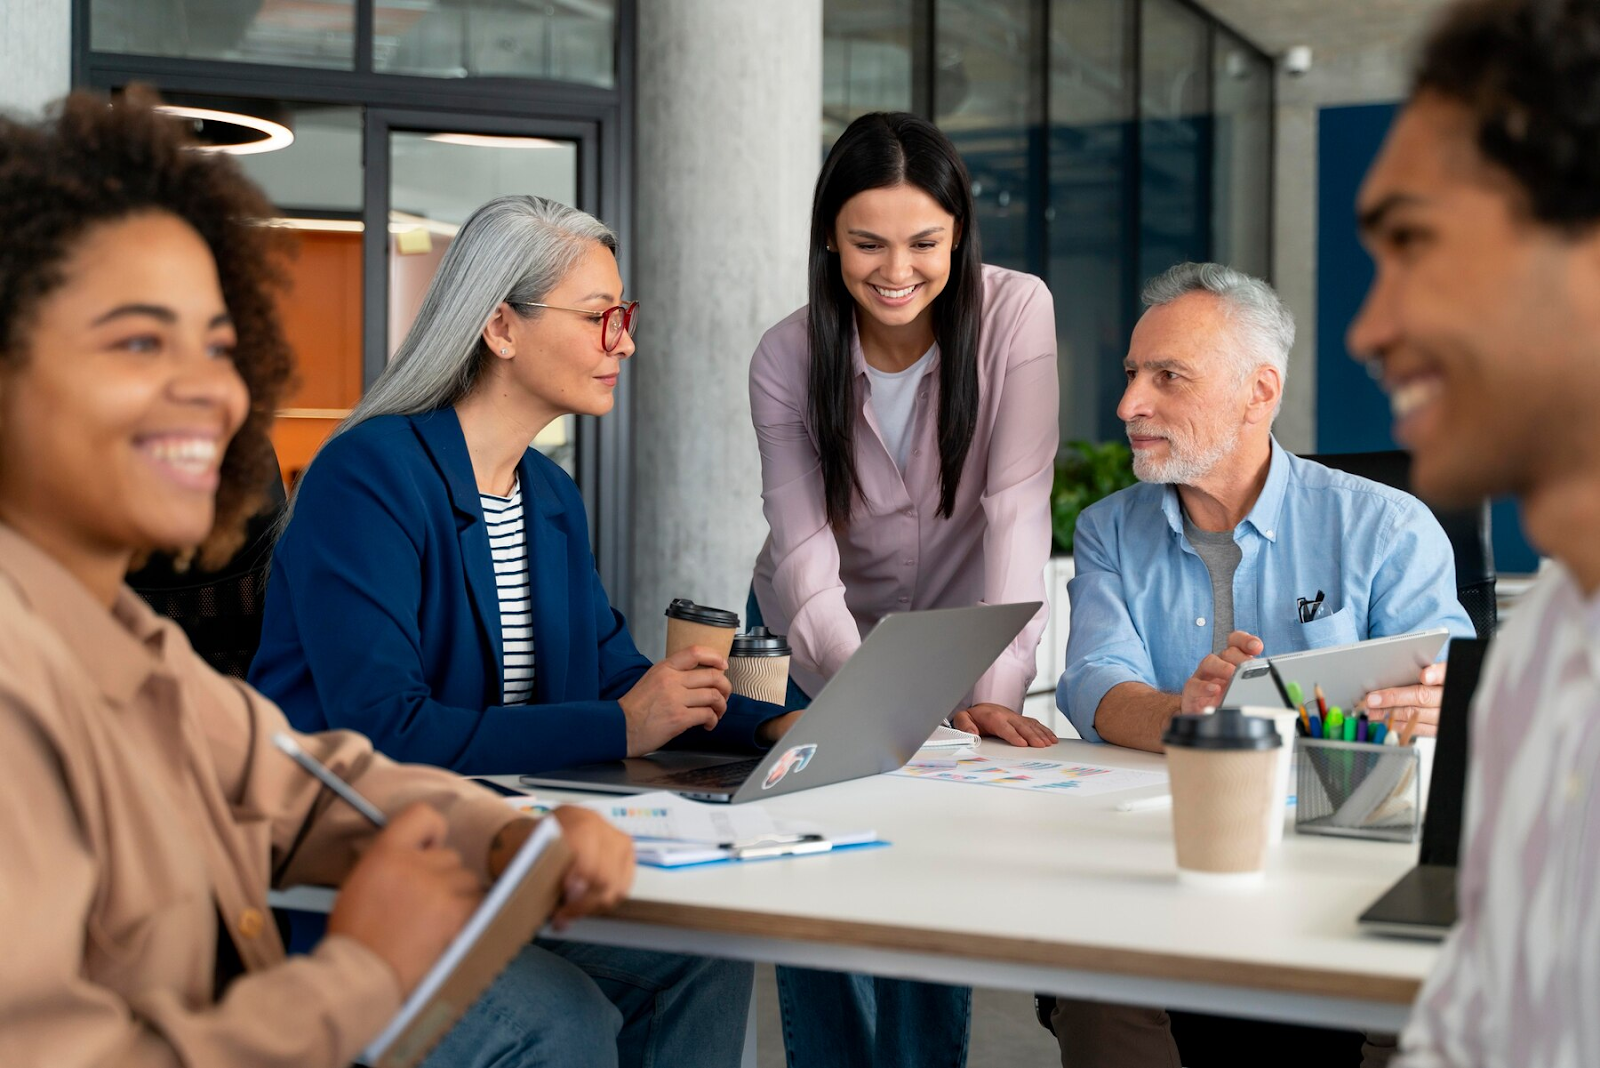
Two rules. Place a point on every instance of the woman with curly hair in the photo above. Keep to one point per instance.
(143, 811)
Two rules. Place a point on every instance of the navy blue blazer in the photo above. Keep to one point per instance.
(382, 615)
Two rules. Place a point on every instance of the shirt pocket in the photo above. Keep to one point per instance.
(153, 946)
(1337, 629)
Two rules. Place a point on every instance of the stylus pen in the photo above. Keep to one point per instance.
(318, 770)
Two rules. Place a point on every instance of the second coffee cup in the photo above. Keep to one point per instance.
(759, 666)
(1224, 770)
(697, 624)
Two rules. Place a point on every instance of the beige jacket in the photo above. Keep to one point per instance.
(139, 797)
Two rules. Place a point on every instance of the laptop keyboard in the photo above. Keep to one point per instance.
(731, 775)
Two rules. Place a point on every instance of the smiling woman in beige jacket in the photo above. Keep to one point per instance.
(143, 812)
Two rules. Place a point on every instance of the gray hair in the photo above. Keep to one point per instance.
(1263, 325)
(513, 249)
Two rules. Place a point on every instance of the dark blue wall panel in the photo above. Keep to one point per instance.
(1352, 413)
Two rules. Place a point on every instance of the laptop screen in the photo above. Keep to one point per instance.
(1441, 830)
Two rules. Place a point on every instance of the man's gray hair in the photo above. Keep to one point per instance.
(1263, 325)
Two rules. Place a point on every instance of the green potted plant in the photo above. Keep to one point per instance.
(1085, 472)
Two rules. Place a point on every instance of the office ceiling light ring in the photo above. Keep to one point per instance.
(218, 131)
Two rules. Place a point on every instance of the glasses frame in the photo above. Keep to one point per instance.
(626, 314)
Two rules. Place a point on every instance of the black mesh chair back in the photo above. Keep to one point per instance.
(1468, 529)
(219, 610)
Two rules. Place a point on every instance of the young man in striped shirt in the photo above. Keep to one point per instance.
(1482, 214)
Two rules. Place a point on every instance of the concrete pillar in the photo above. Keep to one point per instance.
(728, 145)
(35, 54)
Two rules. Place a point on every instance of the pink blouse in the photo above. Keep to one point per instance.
(825, 591)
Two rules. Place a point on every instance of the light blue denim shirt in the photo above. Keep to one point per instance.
(1142, 604)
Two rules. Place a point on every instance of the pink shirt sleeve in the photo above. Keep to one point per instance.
(805, 557)
(1016, 498)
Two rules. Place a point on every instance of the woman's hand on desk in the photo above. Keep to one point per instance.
(776, 727)
(690, 688)
(408, 895)
(602, 865)
(998, 721)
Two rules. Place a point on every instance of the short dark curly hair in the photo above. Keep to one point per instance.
(1529, 71)
(94, 161)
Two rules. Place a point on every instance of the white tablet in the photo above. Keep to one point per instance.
(1346, 673)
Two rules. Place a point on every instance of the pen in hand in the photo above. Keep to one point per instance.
(319, 771)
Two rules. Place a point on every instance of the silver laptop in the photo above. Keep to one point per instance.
(911, 672)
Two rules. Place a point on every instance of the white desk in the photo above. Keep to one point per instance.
(1010, 890)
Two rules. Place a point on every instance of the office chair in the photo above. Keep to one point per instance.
(219, 610)
(1468, 530)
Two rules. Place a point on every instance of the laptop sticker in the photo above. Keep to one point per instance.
(794, 760)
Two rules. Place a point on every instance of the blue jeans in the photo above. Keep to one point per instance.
(575, 1005)
(842, 1020)
(837, 1020)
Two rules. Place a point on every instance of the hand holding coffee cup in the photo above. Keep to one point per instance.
(688, 689)
(1224, 769)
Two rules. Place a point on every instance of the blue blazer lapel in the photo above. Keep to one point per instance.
(441, 435)
(547, 570)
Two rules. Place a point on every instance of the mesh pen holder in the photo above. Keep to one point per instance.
(1358, 790)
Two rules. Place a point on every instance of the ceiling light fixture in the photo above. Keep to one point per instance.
(495, 141)
(275, 134)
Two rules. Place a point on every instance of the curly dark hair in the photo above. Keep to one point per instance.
(1529, 71)
(94, 161)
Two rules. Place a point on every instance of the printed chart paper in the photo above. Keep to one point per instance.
(1043, 776)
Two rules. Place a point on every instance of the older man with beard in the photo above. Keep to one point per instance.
(1208, 563)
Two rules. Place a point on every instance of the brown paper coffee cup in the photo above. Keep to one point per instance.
(693, 624)
(1220, 802)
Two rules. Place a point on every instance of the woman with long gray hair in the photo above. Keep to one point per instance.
(433, 588)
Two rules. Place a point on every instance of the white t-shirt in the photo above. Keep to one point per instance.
(894, 402)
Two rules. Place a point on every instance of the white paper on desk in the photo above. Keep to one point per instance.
(495, 900)
(666, 816)
(1026, 773)
(950, 738)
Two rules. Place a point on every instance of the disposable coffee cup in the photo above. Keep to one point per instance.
(1284, 722)
(1224, 771)
(697, 624)
(758, 667)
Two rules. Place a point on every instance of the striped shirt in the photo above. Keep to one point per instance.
(508, 547)
(1518, 981)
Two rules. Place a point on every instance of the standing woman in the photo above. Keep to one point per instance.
(907, 418)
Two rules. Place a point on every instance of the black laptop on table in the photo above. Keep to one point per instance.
(1423, 903)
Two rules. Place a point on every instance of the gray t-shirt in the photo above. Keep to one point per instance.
(1222, 555)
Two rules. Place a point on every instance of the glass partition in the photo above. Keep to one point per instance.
(304, 33)
(562, 40)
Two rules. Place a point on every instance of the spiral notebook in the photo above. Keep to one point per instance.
(515, 908)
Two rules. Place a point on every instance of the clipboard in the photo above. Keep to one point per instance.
(516, 907)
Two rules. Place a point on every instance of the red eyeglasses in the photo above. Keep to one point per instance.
(613, 321)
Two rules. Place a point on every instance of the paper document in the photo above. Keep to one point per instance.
(950, 738)
(515, 908)
(1023, 773)
(671, 831)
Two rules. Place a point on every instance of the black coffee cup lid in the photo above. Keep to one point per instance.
(1226, 728)
(686, 610)
(760, 641)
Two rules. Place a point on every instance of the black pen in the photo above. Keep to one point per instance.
(318, 770)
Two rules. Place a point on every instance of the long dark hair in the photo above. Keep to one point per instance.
(882, 149)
